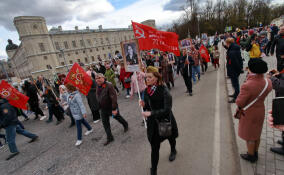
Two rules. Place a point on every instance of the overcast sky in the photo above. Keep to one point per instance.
(82, 13)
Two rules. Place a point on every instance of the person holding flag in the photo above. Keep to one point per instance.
(9, 121)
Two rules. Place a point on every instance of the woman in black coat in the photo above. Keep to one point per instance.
(93, 102)
(158, 106)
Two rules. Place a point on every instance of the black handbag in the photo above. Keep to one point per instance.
(164, 126)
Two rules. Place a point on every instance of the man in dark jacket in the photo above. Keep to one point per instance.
(279, 43)
(31, 92)
(107, 100)
(234, 66)
(9, 121)
(93, 102)
(185, 67)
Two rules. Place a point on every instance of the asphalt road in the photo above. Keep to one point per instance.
(205, 145)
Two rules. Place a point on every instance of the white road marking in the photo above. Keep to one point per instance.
(217, 131)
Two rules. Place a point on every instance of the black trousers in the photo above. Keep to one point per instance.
(105, 119)
(236, 85)
(58, 112)
(187, 81)
(204, 66)
(96, 114)
(279, 62)
(155, 150)
(35, 108)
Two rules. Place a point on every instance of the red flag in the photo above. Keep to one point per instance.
(204, 53)
(150, 38)
(79, 78)
(14, 97)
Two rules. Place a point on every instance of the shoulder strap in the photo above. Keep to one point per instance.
(264, 89)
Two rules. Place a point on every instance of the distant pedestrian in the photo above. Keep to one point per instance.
(278, 42)
(216, 56)
(63, 97)
(78, 111)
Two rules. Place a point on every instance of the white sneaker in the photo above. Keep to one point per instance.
(127, 96)
(79, 142)
(88, 132)
(42, 118)
(96, 121)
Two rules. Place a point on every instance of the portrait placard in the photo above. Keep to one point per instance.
(131, 55)
(185, 43)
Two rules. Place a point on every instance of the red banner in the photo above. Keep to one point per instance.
(150, 38)
(204, 53)
(14, 97)
(79, 78)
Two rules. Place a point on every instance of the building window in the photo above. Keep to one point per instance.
(84, 51)
(105, 56)
(60, 56)
(79, 61)
(103, 48)
(82, 43)
(74, 44)
(91, 50)
(95, 41)
(89, 42)
(107, 39)
(102, 41)
(62, 63)
(108, 47)
(86, 59)
(66, 45)
(41, 46)
(69, 54)
(93, 58)
(76, 53)
(71, 62)
(45, 57)
(48, 66)
(125, 38)
(57, 46)
(97, 49)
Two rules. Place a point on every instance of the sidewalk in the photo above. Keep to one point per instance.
(268, 163)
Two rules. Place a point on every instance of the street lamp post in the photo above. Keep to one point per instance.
(62, 52)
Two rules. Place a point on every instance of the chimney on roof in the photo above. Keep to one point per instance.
(100, 27)
(76, 27)
(87, 28)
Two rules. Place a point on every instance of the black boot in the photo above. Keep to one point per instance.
(277, 150)
(108, 141)
(153, 171)
(256, 155)
(172, 156)
(280, 142)
(126, 127)
(248, 157)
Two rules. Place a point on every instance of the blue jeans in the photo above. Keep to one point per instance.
(195, 70)
(142, 95)
(79, 127)
(23, 132)
(50, 111)
(11, 136)
(128, 91)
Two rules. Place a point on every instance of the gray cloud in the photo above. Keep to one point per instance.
(175, 5)
(54, 11)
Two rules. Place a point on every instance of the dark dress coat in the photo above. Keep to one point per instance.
(160, 105)
(250, 125)
(92, 97)
(31, 92)
(107, 98)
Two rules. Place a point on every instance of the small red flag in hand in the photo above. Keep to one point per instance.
(14, 97)
(79, 78)
(204, 53)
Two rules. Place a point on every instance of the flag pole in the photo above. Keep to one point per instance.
(136, 82)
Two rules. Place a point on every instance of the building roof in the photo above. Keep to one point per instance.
(56, 31)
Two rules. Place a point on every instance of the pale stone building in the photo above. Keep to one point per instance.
(42, 52)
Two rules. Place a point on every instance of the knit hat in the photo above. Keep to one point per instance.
(251, 32)
(152, 69)
(257, 66)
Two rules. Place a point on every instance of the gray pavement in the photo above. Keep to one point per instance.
(206, 144)
(269, 163)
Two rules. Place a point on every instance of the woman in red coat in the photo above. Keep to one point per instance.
(251, 121)
(125, 78)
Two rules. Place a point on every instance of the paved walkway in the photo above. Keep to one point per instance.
(268, 163)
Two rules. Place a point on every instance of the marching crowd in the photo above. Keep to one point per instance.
(154, 82)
